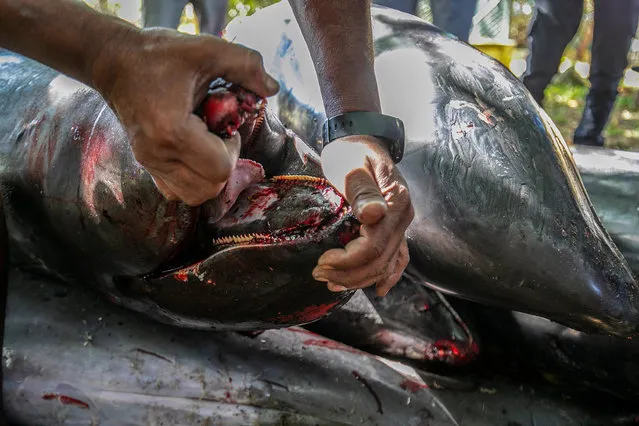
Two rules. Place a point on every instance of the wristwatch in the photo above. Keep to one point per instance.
(387, 128)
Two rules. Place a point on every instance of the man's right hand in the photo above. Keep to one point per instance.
(154, 79)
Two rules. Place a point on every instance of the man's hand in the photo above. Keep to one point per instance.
(154, 79)
(362, 169)
(338, 34)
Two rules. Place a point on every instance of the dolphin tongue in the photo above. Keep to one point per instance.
(245, 174)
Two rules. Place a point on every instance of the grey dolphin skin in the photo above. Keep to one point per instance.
(502, 219)
(501, 215)
(72, 358)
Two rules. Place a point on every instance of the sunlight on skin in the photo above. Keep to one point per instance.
(404, 75)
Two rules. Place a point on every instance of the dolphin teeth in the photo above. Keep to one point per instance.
(237, 239)
(301, 178)
(257, 125)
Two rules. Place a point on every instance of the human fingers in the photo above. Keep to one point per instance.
(401, 262)
(240, 65)
(205, 153)
(361, 275)
(346, 163)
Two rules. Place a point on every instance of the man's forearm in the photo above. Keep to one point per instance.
(64, 34)
(338, 35)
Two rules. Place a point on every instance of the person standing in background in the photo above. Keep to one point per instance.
(211, 14)
(452, 16)
(553, 26)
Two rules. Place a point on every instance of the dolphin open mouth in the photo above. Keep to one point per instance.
(283, 210)
(261, 236)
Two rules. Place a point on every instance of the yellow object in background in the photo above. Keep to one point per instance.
(500, 50)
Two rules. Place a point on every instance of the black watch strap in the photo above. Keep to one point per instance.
(385, 127)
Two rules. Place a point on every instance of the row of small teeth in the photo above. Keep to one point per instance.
(245, 238)
(302, 178)
(236, 239)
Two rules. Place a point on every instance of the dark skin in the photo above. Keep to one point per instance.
(154, 78)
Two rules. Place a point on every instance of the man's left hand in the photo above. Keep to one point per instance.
(362, 169)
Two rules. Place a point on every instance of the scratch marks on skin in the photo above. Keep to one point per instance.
(370, 389)
(156, 355)
(95, 123)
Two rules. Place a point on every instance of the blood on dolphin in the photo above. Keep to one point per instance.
(81, 208)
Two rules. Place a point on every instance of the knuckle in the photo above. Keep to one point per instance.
(253, 60)
(403, 193)
(410, 213)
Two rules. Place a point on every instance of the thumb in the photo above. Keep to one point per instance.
(365, 197)
(346, 164)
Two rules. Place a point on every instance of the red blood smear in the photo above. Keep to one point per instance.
(227, 108)
(308, 314)
(349, 235)
(412, 386)
(459, 354)
(331, 344)
(66, 400)
(181, 276)
(221, 113)
(260, 201)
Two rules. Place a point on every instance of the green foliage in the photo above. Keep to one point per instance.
(247, 7)
(565, 103)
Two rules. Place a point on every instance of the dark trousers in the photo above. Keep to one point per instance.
(554, 24)
(452, 16)
(166, 13)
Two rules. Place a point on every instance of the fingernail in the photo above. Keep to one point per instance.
(272, 85)
(336, 287)
(318, 276)
(365, 204)
(371, 209)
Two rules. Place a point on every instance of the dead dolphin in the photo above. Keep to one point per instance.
(413, 323)
(501, 214)
(79, 207)
(72, 358)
